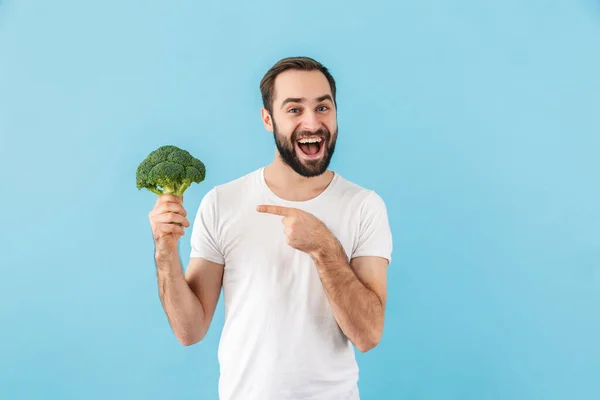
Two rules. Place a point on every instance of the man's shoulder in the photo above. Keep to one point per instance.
(349, 189)
(236, 186)
(361, 201)
(241, 181)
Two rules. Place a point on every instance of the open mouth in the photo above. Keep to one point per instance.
(311, 147)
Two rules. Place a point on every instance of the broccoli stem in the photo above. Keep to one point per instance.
(169, 189)
(182, 188)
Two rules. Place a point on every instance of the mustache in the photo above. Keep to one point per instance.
(297, 135)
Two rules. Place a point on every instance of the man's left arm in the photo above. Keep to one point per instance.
(356, 288)
(357, 292)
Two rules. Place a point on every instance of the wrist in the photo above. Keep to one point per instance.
(166, 260)
(328, 251)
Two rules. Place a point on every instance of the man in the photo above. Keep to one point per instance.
(301, 254)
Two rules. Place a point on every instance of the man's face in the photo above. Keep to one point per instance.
(304, 121)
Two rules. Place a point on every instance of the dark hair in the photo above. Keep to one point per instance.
(267, 84)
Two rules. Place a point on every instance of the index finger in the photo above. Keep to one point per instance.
(276, 210)
(166, 198)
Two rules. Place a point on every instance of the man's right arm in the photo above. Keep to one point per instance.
(189, 299)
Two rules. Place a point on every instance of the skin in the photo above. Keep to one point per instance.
(189, 299)
(356, 288)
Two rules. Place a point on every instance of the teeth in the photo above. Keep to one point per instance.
(310, 140)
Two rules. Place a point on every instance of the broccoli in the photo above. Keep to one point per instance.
(169, 170)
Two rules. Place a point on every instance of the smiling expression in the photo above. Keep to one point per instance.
(303, 121)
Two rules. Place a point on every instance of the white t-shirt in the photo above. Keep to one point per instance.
(280, 340)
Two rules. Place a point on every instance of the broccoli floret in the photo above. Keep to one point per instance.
(169, 170)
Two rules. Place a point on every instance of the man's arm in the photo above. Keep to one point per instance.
(357, 293)
(189, 299)
(356, 289)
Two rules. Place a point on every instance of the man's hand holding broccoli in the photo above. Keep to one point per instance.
(168, 220)
(168, 171)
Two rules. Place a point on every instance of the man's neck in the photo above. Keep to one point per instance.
(289, 185)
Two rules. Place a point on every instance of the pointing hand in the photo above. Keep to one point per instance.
(303, 231)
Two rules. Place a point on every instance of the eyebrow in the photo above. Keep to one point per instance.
(302, 99)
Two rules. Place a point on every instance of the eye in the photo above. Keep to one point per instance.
(322, 108)
(293, 110)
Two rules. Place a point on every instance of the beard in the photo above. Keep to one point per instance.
(289, 153)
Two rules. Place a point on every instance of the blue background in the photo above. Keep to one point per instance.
(477, 122)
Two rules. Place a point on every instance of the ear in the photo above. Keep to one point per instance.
(266, 118)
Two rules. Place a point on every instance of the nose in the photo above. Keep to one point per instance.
(311, 121)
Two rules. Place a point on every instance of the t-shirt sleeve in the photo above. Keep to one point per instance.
(204, 239)
(375, 236)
